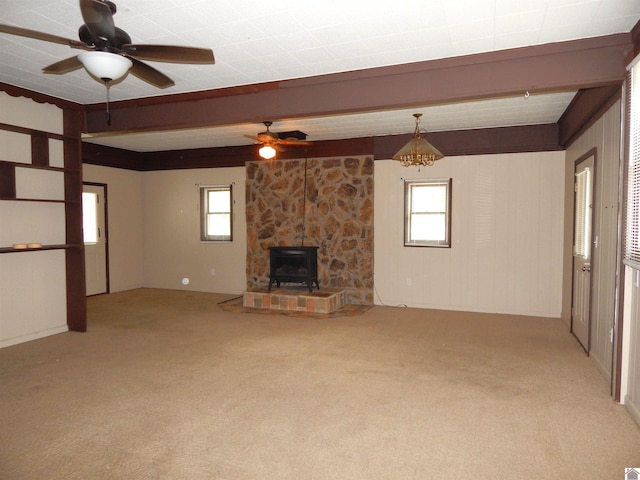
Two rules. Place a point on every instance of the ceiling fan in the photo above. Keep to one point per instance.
(273, 142)
(108, 53)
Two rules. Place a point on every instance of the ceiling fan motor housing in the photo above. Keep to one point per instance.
(293, 134)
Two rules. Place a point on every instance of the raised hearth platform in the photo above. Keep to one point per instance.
(295, 299)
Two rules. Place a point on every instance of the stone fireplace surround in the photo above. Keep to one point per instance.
(334, 213)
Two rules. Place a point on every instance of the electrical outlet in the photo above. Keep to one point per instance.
(213, 272)
(409, 282)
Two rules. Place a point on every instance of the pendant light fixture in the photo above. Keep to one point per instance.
(267, 152)
(418, 151)
(106, 67)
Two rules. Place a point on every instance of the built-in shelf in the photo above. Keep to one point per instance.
(44, 247)
(59, 153)
(33, 200)
(31, 165)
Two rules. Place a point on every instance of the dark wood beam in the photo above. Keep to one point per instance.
(531, 138)
(586, 107)
(585, 63)
(74, 253)
(635, 36)
(480, 141)
(111, 157)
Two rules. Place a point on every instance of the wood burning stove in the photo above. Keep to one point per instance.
(293, 264)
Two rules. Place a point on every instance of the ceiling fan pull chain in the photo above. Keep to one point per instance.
(108, 112)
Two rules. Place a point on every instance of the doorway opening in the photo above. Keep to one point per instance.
(95, 236)
(582, 249)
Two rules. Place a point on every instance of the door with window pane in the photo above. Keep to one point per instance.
(582, 243)
(95, 239)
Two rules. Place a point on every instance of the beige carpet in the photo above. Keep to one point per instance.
(166, 385)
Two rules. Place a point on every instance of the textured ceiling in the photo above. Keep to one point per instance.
(256, 41)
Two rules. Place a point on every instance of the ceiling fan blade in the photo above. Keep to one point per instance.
(63, 66)
(45, 37)
(98, 17)
(170, 53)
(252, 137)
(149, 74)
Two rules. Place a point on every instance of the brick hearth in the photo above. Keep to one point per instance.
(327, 300)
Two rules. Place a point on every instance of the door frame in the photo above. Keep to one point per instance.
(590, 153)
(105, 202)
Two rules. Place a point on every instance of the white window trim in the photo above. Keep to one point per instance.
(204, 189)
(446, 243)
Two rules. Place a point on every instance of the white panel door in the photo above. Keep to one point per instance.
(582, 233)
(95, 238)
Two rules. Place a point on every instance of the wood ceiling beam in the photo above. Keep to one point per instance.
(565, 66)
(529, 138)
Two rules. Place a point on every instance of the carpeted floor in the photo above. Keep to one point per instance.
(167, 385)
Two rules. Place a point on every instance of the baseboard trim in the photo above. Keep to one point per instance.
(632, 408)
(33, 336)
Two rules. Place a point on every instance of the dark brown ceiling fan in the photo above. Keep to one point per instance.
(272, 141)
(111, 45)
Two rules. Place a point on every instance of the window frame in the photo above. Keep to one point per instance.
(205, 212)
(408, 212)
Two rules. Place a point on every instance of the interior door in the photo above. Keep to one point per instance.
(582, 243)
(95, 237)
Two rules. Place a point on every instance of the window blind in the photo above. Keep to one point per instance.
(632, 250)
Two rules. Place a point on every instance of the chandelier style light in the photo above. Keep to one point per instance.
(418, 151)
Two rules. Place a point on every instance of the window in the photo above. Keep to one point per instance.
(583, 188)
(427, 213)
(90, 217)
(216, 214)
(632, 250)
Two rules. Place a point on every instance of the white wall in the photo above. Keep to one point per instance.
(171, 232)
(124, 198)
(507, 233)
(33, 301)
(507, 236)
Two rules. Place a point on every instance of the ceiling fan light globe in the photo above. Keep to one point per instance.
(106, 66)
(267, 152)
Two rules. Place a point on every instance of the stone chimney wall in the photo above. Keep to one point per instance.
(338, 218)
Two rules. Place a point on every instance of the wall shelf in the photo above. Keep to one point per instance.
(44, 247)
(32, 200)
(47, 166)
(39, 167)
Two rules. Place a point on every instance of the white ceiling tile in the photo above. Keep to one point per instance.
(256, 41)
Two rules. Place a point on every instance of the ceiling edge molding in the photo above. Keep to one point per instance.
(485, 141)
(111, 157)
(480, 141)
(635, 38)
(584, 110)
(39, 97)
